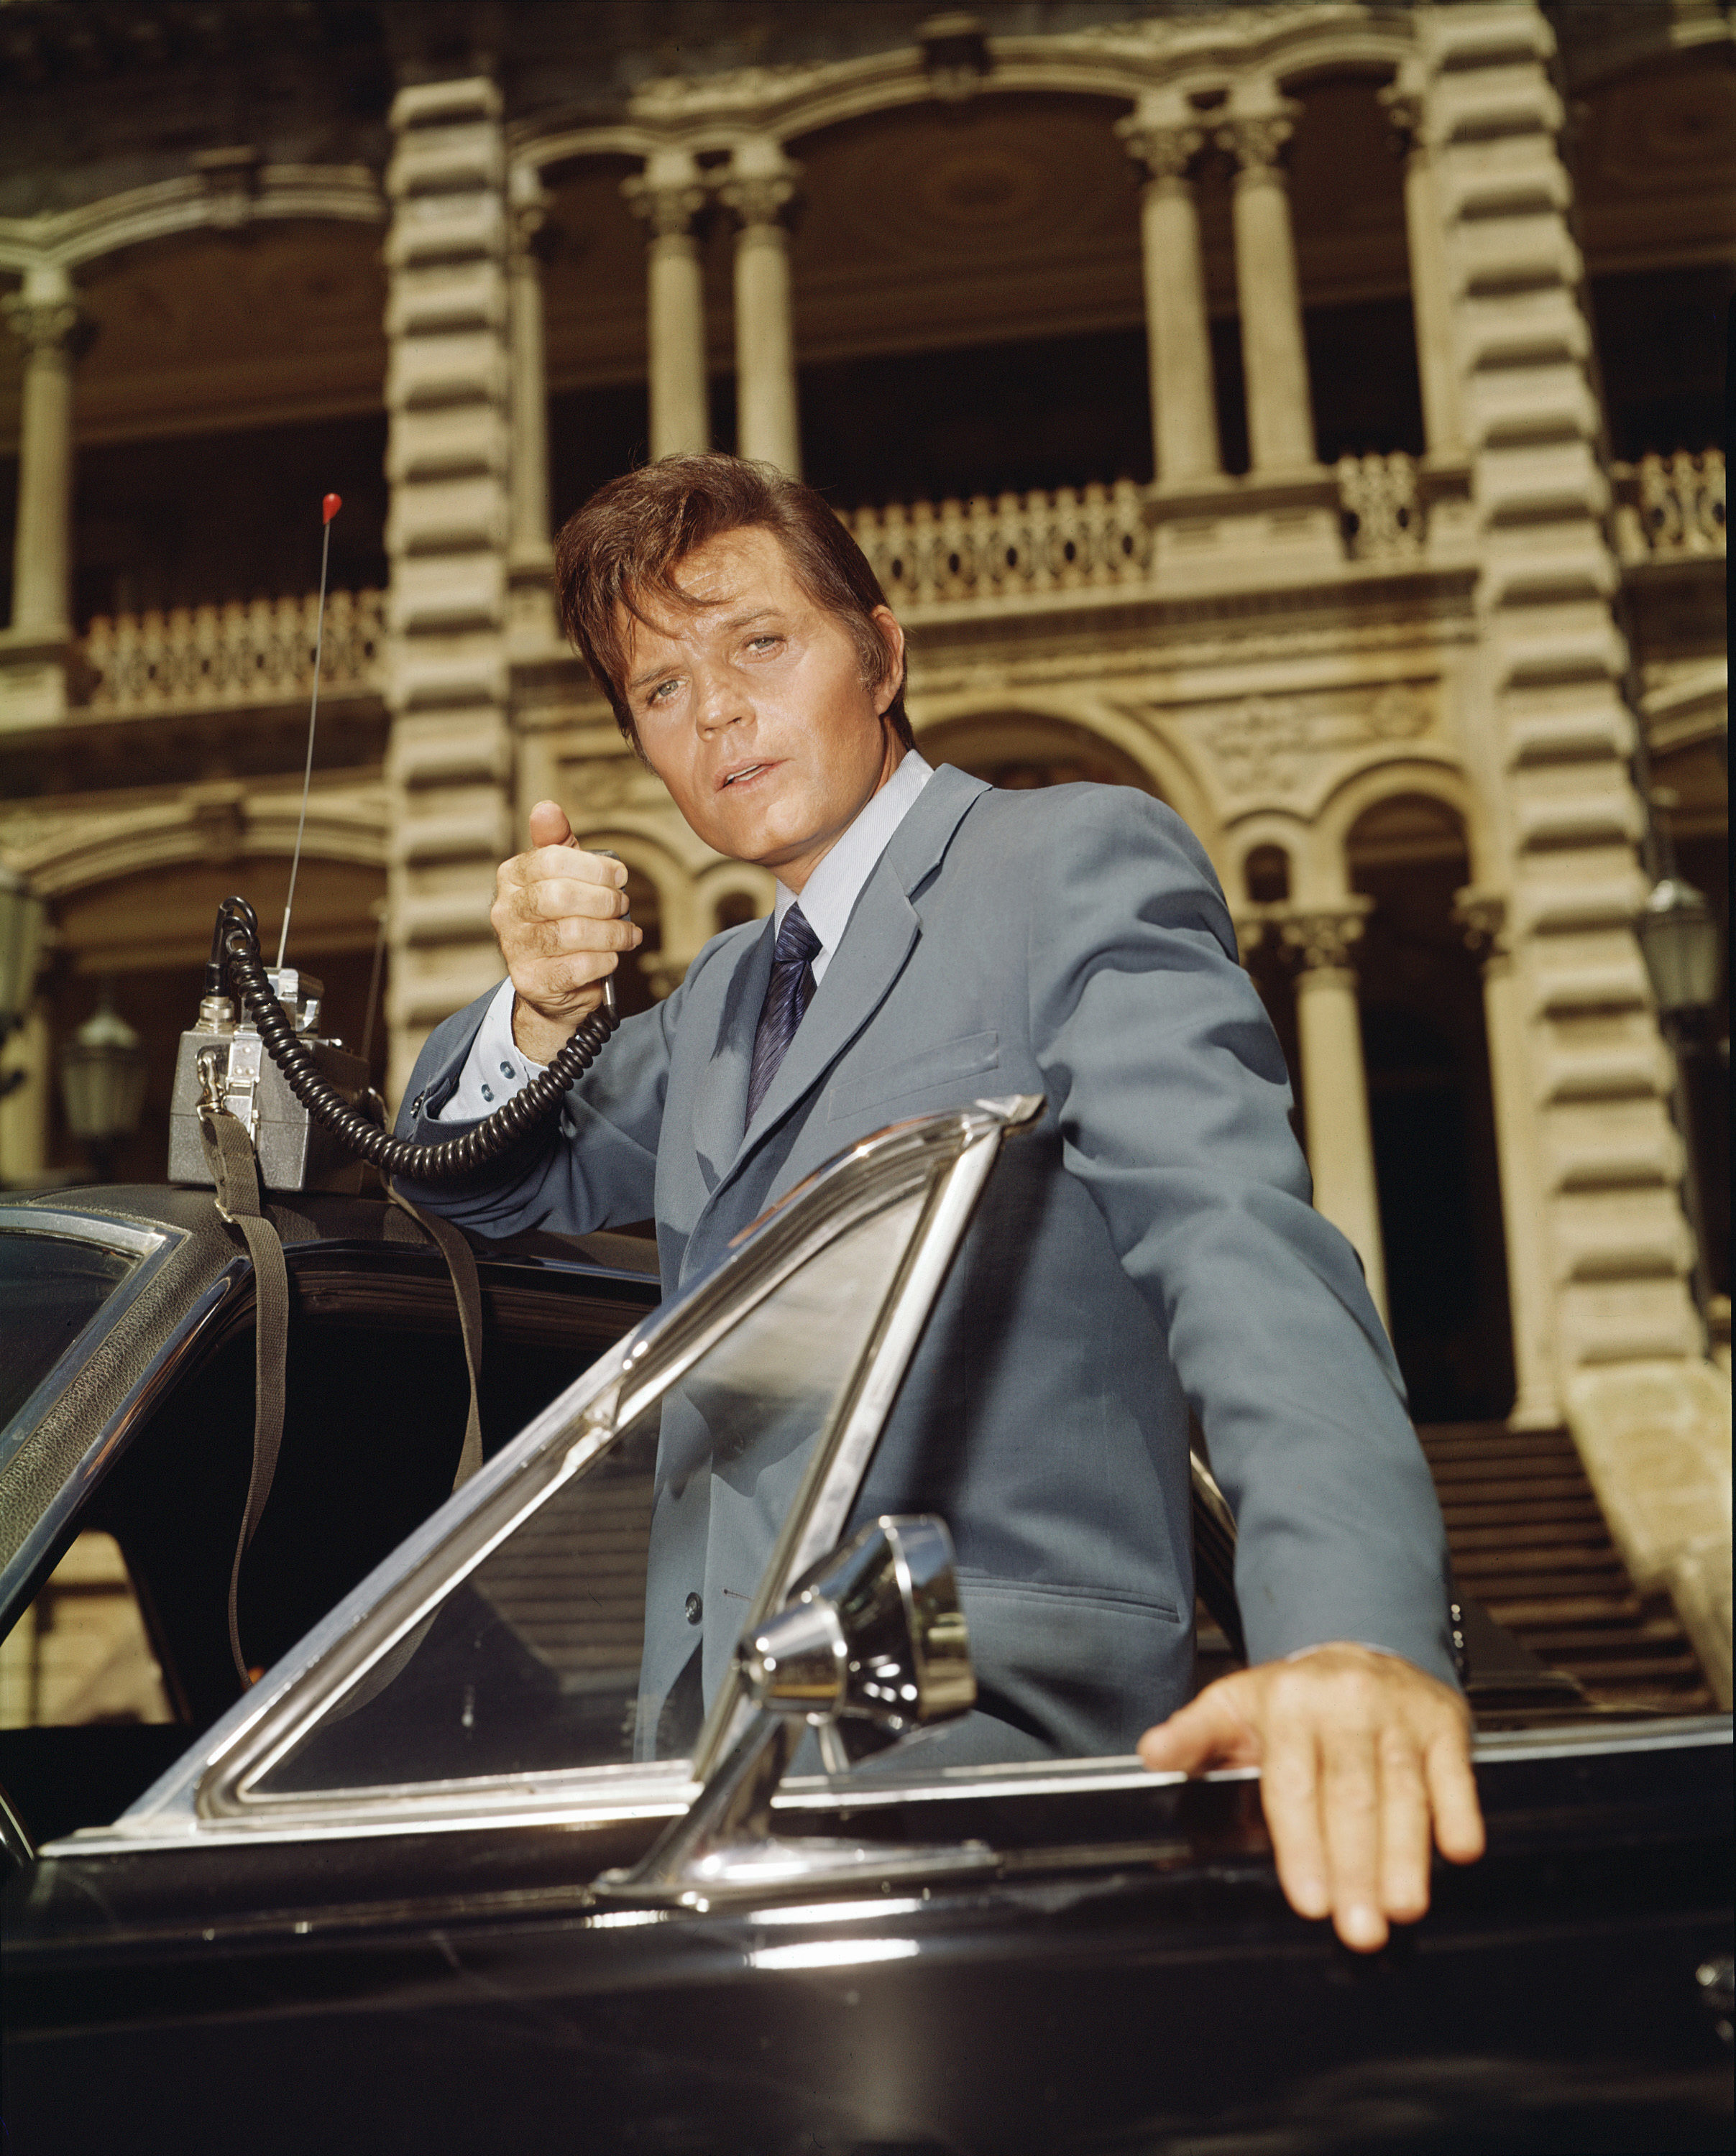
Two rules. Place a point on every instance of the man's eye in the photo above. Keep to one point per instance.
(662, 693)
(766, 642)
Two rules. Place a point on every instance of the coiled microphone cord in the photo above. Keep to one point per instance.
(454, 1160)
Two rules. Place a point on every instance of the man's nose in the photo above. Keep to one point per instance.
(720, 702)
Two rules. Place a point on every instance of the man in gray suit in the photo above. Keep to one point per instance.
(1149, 1248)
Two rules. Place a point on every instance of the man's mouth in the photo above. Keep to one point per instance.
(741, 774)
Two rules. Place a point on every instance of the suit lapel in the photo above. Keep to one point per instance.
(722, 1100)
(883, 928)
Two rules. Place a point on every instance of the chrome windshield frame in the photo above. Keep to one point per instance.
(212, 1791)
(147, 1248)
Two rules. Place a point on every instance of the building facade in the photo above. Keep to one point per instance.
(1299, 412)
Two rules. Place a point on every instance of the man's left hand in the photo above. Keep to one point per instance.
(1364, 1759)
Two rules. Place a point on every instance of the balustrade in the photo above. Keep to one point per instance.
(1381, 509)
(1091, 537)
(257, 653)
(1670, 506)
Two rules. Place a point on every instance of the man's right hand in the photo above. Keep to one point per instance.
(558, 915)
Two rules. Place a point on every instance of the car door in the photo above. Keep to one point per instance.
(127, 1333)
(464, 1731)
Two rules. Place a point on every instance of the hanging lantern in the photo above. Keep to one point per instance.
(102, 1077)
(1679, 939)
(21, 927)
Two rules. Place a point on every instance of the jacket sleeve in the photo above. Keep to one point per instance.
(595, 1165)
(1173, 1099)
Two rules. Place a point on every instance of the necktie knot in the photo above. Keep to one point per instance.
(797, 943)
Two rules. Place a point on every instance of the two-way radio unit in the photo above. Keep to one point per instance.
(305, 1104)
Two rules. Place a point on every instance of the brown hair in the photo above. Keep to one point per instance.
(623, 548)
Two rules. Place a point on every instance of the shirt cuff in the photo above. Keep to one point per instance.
(496, 1068)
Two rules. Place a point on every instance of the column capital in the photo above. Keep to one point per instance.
(1480, 915)
(1318, 938)
(668, 206)
(760, 194)
(47, 327)
(1259, 141)
(1167, 152)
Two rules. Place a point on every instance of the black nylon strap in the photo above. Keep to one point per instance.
(230, 1154)
(467, 1286)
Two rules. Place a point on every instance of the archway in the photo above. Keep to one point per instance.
(1025, 749)
(1432, 1113)
(146, 934)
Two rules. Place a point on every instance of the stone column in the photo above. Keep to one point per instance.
(761, 186)
(449, 459)
(1537, 1403)
(1431, 300)
(1274, 361)
(24, 1107)
(1184, 403)
(1334, 1084)
(530, 556)
(668, 195)
(44, 317)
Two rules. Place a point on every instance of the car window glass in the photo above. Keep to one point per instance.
(531, 1662)
(51, 1286)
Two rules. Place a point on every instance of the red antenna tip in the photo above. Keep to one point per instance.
(330, 507)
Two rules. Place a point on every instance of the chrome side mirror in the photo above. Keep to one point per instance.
(874, 1633)
(873, 1639)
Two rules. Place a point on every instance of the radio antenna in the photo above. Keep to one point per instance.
(328, 509)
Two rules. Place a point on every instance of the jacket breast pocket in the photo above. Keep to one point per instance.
(951, 1061)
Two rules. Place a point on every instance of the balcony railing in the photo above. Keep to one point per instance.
(222, 656)
(1668, 508)
(1014, 546)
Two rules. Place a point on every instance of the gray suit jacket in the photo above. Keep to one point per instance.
(1150, 1246)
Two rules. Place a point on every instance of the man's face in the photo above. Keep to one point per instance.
(753, 711)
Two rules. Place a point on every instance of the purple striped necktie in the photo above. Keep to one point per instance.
(787, 995)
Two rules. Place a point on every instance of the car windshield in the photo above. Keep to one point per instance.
(544, 1656)
(51, 1286)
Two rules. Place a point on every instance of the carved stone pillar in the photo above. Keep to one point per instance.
(1274, 361)
(1431, 300)
(530, 556)
(44, 317)
(1183, 405)
(760, 188)
(24, 1107)
(668, 195)
(1334, 1084)
(448, 455)
(1536, 1404)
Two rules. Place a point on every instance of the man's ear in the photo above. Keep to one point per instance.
(892, 636)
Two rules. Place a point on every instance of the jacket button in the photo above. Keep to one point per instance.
(696, 1609)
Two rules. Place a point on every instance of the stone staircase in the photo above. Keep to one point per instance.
(1528, 1541)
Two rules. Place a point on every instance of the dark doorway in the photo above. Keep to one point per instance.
(1432, 1113)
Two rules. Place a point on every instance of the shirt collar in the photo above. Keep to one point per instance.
(832, 888)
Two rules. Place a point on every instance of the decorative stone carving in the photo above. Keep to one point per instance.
(669, 209)
(46, 328)
(1481, 917)
(1260, 142)
(1167, 153)
(760, 198)
(1321, 937)
(1382, 509)
(230, 179)
(1671, 506)
(1268, 745)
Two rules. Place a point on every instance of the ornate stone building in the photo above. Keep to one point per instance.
(1305, 412)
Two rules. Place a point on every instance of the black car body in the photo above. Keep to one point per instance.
(414, 1889)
